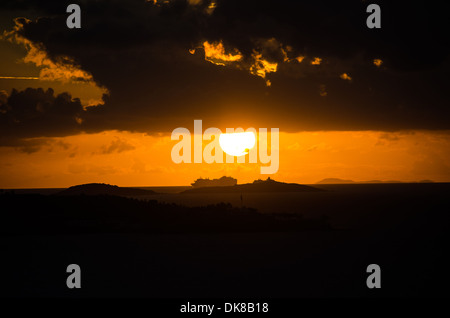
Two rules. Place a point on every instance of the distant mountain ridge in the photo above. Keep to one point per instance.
(343, 181)
(103, 188)
(268, 185)
(334, 181)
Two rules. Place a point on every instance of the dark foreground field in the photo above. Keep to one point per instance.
(128, 247)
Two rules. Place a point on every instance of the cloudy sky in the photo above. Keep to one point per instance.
(98, 104)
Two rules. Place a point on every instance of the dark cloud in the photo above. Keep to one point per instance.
(30, 146)
(140, 52)
(37, 113)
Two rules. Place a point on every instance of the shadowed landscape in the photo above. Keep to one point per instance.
(151, 248)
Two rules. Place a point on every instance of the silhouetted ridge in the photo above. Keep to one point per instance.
(334, 181)
(342, 181)
(268, 185)
(102, 188)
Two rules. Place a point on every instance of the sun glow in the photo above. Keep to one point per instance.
(237, 144)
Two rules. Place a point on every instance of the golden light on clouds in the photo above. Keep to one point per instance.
(62, 69)
(377, 62)
(20, 77)
(261, 67)
(215, 53)
(345, 77)
(258, 63)
(211, 7)
(316, 61)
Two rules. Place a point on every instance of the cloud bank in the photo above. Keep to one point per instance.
(296, 65)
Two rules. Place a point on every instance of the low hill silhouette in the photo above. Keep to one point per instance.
(268, 185)
(102, 189)
(334, 181)
(343, 181)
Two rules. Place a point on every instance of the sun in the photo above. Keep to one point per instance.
(237, 144)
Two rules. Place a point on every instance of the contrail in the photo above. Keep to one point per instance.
(19, 77)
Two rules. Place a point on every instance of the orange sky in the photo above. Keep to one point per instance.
(137, 159)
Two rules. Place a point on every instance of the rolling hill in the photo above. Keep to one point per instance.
(102, 188)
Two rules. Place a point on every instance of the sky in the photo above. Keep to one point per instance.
(98, 104)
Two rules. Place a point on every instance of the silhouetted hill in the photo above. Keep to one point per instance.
(334, 181)
(343, 181)
(102, 188)
(268, 185)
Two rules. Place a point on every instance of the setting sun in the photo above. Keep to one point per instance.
(237, 144)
